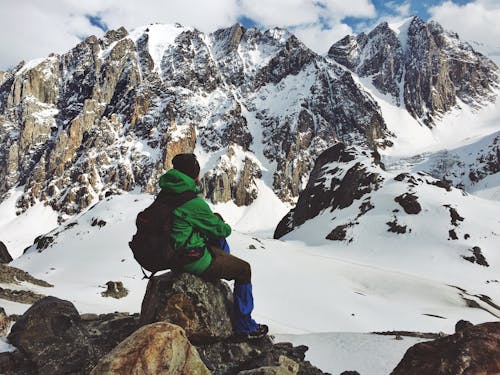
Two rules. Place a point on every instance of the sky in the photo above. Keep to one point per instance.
(32, 28)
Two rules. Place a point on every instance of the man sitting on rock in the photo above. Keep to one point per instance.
(193, 227)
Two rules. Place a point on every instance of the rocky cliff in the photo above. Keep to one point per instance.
(423, 67)
(109, 115)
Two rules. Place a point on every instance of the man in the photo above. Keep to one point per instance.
(193, 227)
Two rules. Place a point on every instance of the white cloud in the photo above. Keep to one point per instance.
(320, 40)
(34, 28)
(476, 21)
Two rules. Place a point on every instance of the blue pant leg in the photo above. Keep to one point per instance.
(243, 307)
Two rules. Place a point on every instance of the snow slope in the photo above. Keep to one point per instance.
(299, 288)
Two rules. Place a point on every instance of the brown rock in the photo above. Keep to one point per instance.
(115, 290)
(4, 254)
(160, 349)
(472, 350)
(4, 322)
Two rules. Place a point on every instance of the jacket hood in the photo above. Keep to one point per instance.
(177, 182)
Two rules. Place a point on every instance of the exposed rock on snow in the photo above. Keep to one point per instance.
(339, 177)
(4, 254)
(12, 275)
(159, 348)
(22, 296)
(115, 290)
(471, 350)
(409, 202)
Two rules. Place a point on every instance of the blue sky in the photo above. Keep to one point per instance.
(34, 28)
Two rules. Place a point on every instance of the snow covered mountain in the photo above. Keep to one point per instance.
(423, 67)
(108, 115)
(378, 225)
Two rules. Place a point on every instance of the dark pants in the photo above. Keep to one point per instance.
(227, 266)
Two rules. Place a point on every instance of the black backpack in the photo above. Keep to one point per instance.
(151, 244)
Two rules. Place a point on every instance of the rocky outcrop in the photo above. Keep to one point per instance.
(50, 334)
(232, 179)
(159, 348)
(422, 66)
(471, 350)
(338, 178)
(115, 289)
(109, 115)
(202, 309)
(51, 338)
(4, 254)
(12, 275)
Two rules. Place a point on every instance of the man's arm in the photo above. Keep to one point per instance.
(198, 214)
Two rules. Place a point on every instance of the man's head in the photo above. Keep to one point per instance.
(187, 164)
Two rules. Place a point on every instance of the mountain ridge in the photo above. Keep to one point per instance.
(108, 115)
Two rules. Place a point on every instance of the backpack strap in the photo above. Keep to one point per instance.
(176, 200)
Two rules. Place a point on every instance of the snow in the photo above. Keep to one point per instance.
(401, 30)
(18, 231)
(30, 65)
(343, 351)
(161, 36)
(5, 346)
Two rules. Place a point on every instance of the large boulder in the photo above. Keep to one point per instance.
(202, 309)
(4, 254)
(52, 336)
(471, 350)
(160, 348)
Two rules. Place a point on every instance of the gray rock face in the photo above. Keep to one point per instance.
(346, 184)
(110, 114)
(422, 66)
(4, 254)
(202, 309)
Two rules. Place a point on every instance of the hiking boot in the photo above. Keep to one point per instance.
(257, 334)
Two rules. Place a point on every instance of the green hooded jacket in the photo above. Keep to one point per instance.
(193, 216)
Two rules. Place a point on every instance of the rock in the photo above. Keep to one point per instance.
(4, 254)
(226, 357)
(12, 275)
(115, 290)
(4, 322)
(160, 348)
(395, 227)
(433, 79)
(286, 367)
(409, 203)
(452, 235)
(51, 335)
(347, 182)
(108, 330)
(472, 350)
(202, 309)
(15, 363)
(20, 296)
(338, 233)
(477, 257)
(463, 325)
